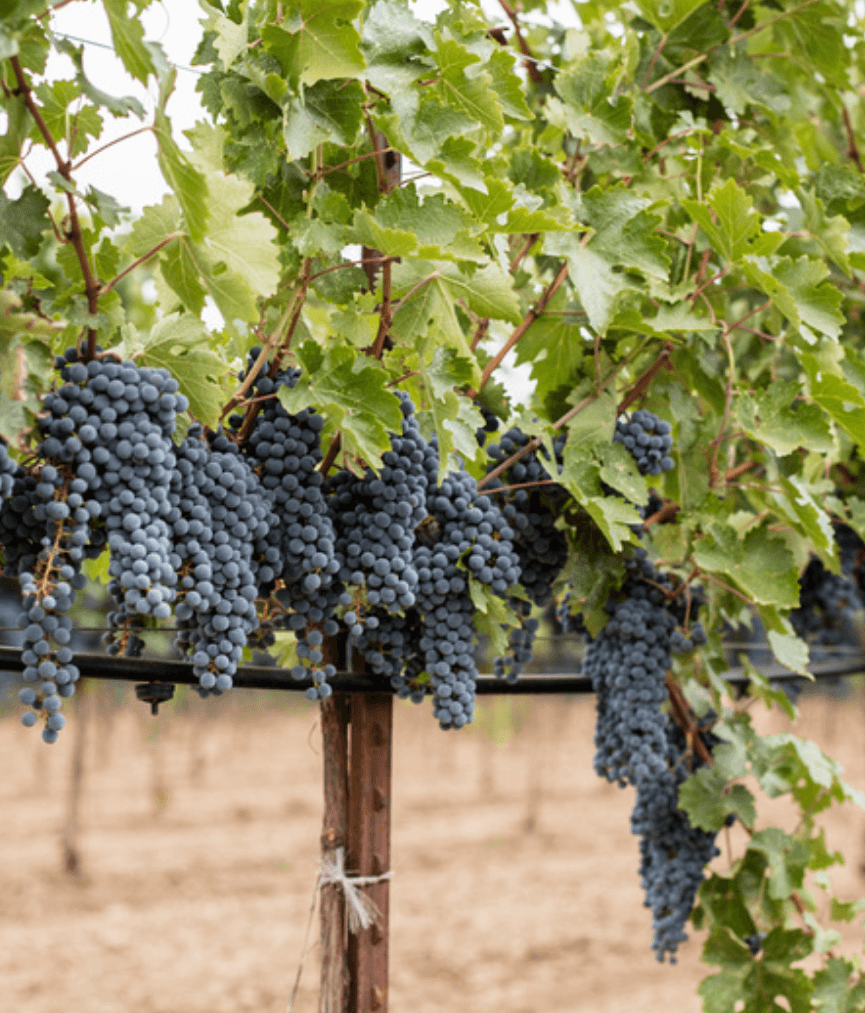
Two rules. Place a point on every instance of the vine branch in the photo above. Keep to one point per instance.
(73, 234)
(521, 329)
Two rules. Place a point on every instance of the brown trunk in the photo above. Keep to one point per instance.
(334, 731)
(369, 806)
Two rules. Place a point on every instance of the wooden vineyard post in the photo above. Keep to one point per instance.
(334, 732)
(369, 806)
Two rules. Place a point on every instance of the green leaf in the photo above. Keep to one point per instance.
(367, 231)
(184, 179)
(833, 990)
(23, 220)
(97, 569)
(329, 110)
(244, 243)
(231, 37)
(666, 16)
(507, 85)
(109, 210)
(127, 34)
(735, 225)
(597, 283)
(351, 393)
(790, 650)
(317, 41)
(614, 518)
(591, 106)
(797, 288)
(555, 347)
(787, 859)
(469, 93)
(624, 229)
(18, 124)
(66, 117)
(492, 617)
(454, 418)
(775, 418)
(838, 398)
(180, 344)
(619, 470)
(116, 106)
(830, 233)
(760, 565)
(397, 47)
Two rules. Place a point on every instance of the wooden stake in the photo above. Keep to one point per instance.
(369, 805)
(334, 730)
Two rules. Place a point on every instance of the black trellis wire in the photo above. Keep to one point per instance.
(149, 670)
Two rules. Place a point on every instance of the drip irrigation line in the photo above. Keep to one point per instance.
(106, 666)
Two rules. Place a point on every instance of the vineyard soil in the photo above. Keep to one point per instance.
(515, 887)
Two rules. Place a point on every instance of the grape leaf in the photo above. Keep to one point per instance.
(317, 41)
(798, 290)
(590, 106)
(23, 220)
(181, 344)
(184, 179)
(775, 418)
(735, 222)
(837, 397)
(352, 395)
(127, 34)
(469, 93)
(760, 564)
(329, 110)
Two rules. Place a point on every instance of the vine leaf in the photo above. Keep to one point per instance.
(184, 179)
(470, 93)
(776, 419)
(351, 394)
(317, 41)
(735, 222)
(181, 344)
(455, 419)
(797, 288)
(127, 34)
(760, 565)
(837, 397)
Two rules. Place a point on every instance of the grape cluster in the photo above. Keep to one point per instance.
(464, 525)
(637, 743)
(627, 664)
(541, 547)
(673, 854)
(221, 521)
(285, 451)
(827, 603)
(649, 441)
(375, 517)
(133, 416)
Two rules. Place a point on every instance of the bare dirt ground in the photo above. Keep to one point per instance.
(515, 883)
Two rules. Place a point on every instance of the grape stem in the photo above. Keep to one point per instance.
(535, 76)
(141, 260)
(73, 233)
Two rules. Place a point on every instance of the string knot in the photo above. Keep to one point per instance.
(362, 910)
